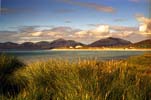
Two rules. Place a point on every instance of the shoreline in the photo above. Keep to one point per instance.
(99, 49)
(80, 49)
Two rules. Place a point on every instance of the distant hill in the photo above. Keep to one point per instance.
(108, 42)
(27, 45)
(142, 44)
(9, 45)
(43, 45)
(64, 43)
(59, 43)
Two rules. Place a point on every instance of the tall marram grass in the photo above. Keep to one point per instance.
(10, 85)
(82, 80)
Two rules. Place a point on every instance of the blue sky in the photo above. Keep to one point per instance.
(76, 14)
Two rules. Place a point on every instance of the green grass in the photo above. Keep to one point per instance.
(10, 85)
(82, 80)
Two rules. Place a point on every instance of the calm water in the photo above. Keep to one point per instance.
(73, 55)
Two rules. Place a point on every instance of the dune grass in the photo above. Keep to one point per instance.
(10, 85)
(82, 80)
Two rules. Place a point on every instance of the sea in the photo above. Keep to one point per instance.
(29, 56)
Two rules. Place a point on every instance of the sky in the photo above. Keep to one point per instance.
(80, 20)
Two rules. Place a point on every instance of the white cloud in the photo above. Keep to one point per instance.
(145, 25)
(98, 31)
(81, 33)
(94, 6)
(101, 29)
(36, 33)
(33, 34)
(123, 28)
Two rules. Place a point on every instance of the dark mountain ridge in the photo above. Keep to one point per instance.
(107, 42)
(61, 43)
(64, 43)
(40, 45)
(142, 44)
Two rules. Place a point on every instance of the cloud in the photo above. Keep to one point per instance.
(27, 29)
(97, 7)
(125, 32)
(101, 29)
(145, 25)
(35, 34)
(7, 32)
(98, 32)
(6, 36)
(142, 19)
(114, 30)
(46, 34)
(5, 10)
(123, 28)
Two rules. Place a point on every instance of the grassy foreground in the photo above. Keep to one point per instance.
(83, 80)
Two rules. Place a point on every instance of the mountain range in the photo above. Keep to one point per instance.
(62, 43)
(142, 44)
(40, 45)
(110, 42)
